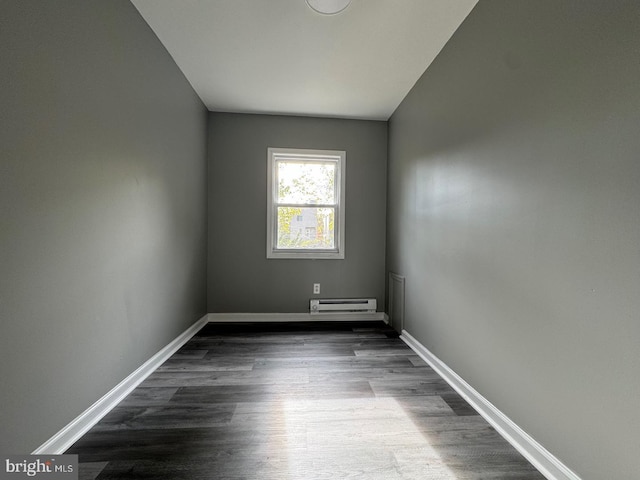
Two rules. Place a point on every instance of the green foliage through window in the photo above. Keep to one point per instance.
(301, 186)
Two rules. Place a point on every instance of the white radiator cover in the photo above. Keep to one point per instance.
(342, 305)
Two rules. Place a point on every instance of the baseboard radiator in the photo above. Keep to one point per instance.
(342, 305)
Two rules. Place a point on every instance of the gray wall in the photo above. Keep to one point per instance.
(514, 212)
(241, 279)
(102, 208)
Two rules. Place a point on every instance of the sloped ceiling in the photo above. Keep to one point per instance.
(281, 57)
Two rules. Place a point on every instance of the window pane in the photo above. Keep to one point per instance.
(306, 228)
(306, 182)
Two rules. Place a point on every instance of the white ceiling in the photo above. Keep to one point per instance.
(281, 57)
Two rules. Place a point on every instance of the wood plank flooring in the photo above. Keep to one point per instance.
(296, 401)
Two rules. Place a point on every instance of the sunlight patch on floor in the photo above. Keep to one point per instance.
(368, 438)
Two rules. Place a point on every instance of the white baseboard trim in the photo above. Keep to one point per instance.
(295, 317)
(540, 457)
(66, 437)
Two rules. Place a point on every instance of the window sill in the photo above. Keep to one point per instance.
(296, 255)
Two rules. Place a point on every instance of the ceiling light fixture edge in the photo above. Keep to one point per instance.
(328, 7)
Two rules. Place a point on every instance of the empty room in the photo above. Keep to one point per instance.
(304, 239)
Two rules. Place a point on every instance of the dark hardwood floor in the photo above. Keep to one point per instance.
(296, 401)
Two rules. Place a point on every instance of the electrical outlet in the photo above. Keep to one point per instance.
(316, 289)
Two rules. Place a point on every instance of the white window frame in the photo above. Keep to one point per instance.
(338, 156)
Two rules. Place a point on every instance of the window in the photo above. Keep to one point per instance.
(305, 204)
